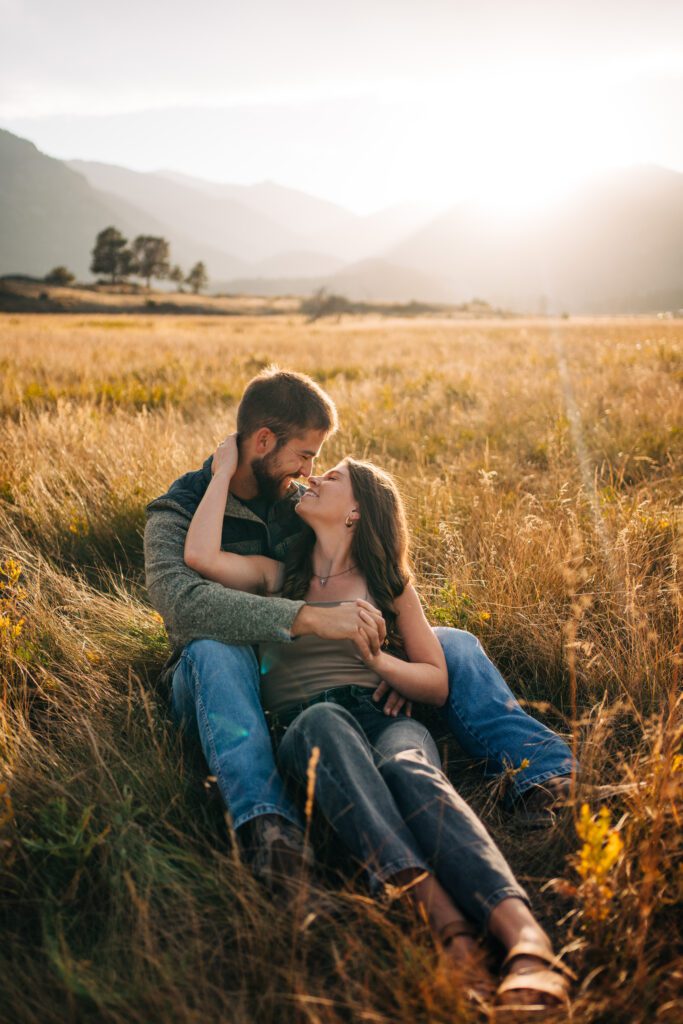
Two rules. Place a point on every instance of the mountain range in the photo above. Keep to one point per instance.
(614, 246)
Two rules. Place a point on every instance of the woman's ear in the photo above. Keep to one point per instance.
(352, 518)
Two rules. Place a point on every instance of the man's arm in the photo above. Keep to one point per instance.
(194, 608)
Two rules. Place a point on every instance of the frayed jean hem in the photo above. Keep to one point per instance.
(378, 878)
(518, 789)
(506, 892)
(260, 809)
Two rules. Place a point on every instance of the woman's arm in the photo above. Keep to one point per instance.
(253, 573)
(423, 677)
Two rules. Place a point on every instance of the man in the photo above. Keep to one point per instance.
(282, 422)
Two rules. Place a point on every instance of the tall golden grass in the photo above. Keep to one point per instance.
(541, 466)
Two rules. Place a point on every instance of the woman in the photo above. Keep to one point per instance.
(378, 778)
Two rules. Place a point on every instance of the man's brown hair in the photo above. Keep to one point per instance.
(287, 403)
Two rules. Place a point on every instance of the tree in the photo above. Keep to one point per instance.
(177, 276)
(61, 276)
(108, 255)
(127, 264)
(151, 257)
(197, 278)
(322, 303)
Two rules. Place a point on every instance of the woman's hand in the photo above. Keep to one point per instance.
(370, 649)
(226, 456)
(394, 702)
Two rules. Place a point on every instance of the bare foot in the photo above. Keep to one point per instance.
(467, 960)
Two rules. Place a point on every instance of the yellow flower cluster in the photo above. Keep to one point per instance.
(597, 857)
(11, 594)
(78, 525)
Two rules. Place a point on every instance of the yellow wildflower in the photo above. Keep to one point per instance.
(597, 857)
(11, 594)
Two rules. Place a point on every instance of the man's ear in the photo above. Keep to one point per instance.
(263, 441)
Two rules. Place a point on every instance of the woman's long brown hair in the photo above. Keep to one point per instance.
(379, 547)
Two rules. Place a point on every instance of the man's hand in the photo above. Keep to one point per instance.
(226, 456)
(394, 701)
(351, 620)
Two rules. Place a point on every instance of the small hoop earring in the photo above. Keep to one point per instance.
(348, 521)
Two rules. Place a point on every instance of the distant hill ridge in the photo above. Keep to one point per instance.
(614, 246)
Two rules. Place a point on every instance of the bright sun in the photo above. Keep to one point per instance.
(514, 145)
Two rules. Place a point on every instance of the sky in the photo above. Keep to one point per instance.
(364, 102)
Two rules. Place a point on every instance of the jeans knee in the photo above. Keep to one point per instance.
(321, 723)
(199, 649)
(202, 650)
(399, 765)
(210, 657)
(326, 726)
(462, 651)
(456, 642)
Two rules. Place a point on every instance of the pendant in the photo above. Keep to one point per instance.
(323, 580)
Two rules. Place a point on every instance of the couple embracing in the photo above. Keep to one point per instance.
(298, 635)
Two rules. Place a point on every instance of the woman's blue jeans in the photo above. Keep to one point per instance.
(216, 697)
(378, 783)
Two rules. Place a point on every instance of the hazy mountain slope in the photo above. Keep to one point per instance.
(371, 235)
(220, 222)
(367, 280)
(297, 264)
(622, 242)
(614, 246)
(50, 214)
(380, 281)
(328, 228)
(297, 211)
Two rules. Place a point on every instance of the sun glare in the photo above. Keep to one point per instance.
(514, 144)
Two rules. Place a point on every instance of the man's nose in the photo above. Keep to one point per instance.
(306, 470)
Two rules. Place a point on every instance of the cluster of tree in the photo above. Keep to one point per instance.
(147, 256)
(61, 276)
(323, 303)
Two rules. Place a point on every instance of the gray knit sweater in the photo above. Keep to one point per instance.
(194, 608)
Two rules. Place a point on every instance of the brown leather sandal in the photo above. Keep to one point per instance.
(552, 980)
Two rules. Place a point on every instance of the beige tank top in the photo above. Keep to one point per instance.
(294, 673)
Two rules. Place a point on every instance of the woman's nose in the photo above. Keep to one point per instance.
(313, 480)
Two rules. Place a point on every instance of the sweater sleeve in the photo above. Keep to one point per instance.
(197, 609)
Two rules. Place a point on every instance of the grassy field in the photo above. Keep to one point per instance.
(32, 295)
(541, 466)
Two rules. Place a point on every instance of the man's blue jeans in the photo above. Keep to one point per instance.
(216, 698)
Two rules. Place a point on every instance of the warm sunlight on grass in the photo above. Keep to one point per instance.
(541, 466)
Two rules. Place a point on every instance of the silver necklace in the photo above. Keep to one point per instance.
(324, 579)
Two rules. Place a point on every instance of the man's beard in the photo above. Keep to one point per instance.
(269, 486)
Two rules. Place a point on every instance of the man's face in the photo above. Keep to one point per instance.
(275, 471)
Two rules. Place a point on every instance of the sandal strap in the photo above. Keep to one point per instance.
(547, 981)
(540, 953)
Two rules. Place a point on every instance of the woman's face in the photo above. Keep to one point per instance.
(329, 498)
